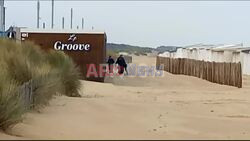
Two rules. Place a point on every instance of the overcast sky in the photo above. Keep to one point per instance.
(145, 23)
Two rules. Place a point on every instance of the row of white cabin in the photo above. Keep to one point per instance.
(217, 53)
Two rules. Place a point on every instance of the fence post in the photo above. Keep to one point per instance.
(157, 62)
(168, 64)
(239, 75)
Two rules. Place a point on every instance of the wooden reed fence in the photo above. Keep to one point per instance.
(26, 93)
(221, 73)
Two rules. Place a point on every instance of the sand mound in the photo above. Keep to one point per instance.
(168, 107)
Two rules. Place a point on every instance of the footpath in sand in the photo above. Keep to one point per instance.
(169, 107)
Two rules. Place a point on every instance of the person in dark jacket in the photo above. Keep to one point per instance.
(110, 63)
(122, 64)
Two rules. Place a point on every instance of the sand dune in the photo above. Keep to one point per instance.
(169, 107)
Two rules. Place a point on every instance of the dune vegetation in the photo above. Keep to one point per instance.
(44, 73)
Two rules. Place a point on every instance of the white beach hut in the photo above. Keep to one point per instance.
(164, 54)
(245, 61)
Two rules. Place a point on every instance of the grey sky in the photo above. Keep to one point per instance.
(145, 23)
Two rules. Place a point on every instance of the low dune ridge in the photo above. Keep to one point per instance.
(167, 107)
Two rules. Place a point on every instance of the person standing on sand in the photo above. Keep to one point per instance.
(122, 64)
(110, 63)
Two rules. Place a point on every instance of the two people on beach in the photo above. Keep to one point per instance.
(121, 63)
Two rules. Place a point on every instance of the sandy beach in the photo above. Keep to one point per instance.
(168, 107)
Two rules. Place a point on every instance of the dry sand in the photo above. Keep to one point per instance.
(169, 107)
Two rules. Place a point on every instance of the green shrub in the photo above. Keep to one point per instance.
(19, 68)
(69, 72)
(45, 87)
(46, 73)
(11, 105)
(70, 78)
(46, 82)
